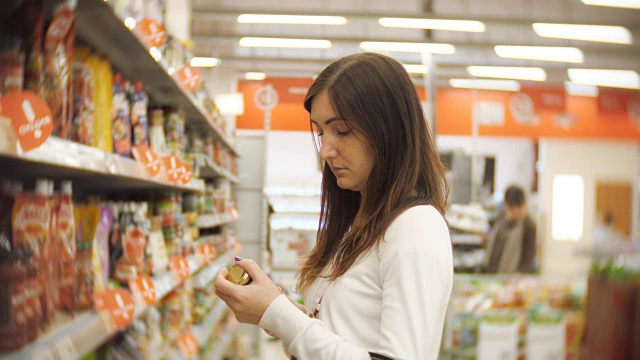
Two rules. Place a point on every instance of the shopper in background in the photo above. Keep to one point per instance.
(511, 245)
(382, 265)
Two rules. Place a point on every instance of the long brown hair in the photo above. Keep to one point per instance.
(373, 94)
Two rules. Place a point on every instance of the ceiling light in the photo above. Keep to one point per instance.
(601, 33)
(291, 19)
(435, 24)
(255, 75)
(547, 53)
(580, 89)
(130, 23)
(416, 68)
(204, 61)
(286, 43)
(632, 4)
(407, 47)
(504, 85)
(628, 79)
(508, 72)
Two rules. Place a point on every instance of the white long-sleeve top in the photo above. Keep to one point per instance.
(392, 302)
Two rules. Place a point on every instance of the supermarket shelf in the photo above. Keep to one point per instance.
(204, 330)
(209, 169)
(95, 169)
(466, 239)
(222, 344)
(208, 273)
(99, 27)
(88, 331)
(212, 220)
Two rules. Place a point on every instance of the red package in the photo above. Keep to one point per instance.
(28, 24)
(58, 53)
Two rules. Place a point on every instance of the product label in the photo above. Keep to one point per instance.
(30, 116)
(186, 174)
(31, 221)
(206, 252)
(174, 169)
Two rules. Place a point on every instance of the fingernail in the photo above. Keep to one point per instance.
(238, 258)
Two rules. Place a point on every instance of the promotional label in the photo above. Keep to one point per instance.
(118, 304)
(147, 157)
(206, 252)
(30, 117)
(188, 345)
(186, 174)
(179, 267)
(151, 32)
(189, 78)
(143, 289)
(174, 169)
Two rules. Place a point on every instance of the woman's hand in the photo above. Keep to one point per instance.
(248, 302)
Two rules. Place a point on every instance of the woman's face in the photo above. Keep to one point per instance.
(345, 150)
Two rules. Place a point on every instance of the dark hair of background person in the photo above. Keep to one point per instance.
(374, 95)
(514, 196)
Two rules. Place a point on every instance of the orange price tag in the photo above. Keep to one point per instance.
(174, 169)
(180, 267)
(30, 117)
(147, 157)
(189, 78)
(143, 289)
(188, 344)
(151, 32)
(187, 174)
(206, 252)
(118, 304)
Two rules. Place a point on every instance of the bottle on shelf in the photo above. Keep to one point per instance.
(139, 120)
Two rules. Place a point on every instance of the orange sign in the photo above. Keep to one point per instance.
(206, 252)
(179, 267)
(30, 117)
(187, 174)
(143, 289)
(151, 32)
(118, 304)
(188, 345)
(147, 157)
(174, 169)
(189, 78)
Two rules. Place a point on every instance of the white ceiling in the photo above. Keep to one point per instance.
(216, 33)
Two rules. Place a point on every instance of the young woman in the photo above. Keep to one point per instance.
(379, 277)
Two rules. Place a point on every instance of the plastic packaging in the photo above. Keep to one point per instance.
(120, 114)
(175, 132)
(67, 247)
(11, 66)
(156, 133)
(139, 119)
(83, 109)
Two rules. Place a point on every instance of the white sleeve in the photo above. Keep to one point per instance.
(304, 337)
(416, 273)
(416, 270)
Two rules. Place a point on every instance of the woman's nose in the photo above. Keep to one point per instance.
(327, 151)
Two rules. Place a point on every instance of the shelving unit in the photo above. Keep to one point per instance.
(209, 169)
(88, 331)
(63, 159)
(204, 330)
(205, 221)
(99, 27)
(218, 351)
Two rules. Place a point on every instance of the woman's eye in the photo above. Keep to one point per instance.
(343, 133)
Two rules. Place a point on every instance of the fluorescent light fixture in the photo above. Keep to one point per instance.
(600, 33)
(508, 72)
(230, 104)
(435, 24)
(546, 53)
(204, 61)
(504, 85)
(580, 89)
(291, 19)
(631, 4)
(285, 43)
(567, 207)
(627, 79)
(255, 75)
(407, 47)
(416, 68)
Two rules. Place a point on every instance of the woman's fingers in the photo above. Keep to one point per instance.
(252, 268)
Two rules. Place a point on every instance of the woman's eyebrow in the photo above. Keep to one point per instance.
(328, 121)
